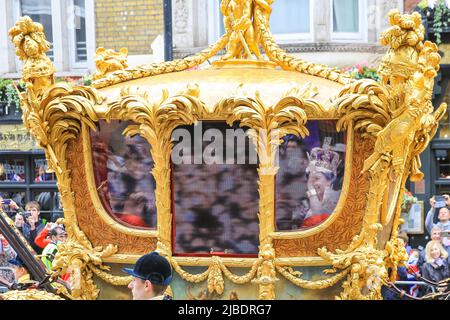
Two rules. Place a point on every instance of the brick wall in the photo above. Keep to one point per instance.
(409, 5)
(133, 24)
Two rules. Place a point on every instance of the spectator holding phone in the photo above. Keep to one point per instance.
(10, 205)
(19, 222)
(35, 223)
(443, 216)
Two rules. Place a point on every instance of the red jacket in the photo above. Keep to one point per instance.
(41, 239)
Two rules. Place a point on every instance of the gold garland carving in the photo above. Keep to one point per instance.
(161, 68)
(294, 278)
(287, 61)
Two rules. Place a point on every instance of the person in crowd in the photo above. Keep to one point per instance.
(7, 253)
(57, 236)
(20, 271)
(443, 216)
(152, 274)
(40, 176)
(43, 239)
(435, 236)
(34, 222)
(19, 222)
(437, 266)
(11, 208)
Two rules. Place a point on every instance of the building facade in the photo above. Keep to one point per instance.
(313, 29)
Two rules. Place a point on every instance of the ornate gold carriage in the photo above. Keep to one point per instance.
(351, 254)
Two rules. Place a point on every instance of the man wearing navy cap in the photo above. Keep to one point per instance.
(152, 275)
(21, 273)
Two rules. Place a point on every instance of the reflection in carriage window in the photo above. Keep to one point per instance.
(122, 169)
(309, 181)
(216, 200)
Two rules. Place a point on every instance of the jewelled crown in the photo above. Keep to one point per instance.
(324, 159)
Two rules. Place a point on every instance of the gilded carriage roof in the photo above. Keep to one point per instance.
(217, 82)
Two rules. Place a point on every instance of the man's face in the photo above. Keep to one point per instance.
(19, 221)
(34, 213)
(140, 289)
(444, 215)
(436, 234)
(60, 237)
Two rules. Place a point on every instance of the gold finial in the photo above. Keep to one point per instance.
(405, 39)
(239, 22)
(31, 45)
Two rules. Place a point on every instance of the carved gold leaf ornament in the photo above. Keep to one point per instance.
(393, 123)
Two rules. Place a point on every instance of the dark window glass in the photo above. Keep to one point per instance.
(215, 190)
(12, 170)
(41, 172)
(309, 181)
(443, 159)
(122, 169)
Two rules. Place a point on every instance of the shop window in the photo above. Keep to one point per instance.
(215, 191)
(122, 169)
(12, 170)
(443, 160)
(41, 171)
(310, 178)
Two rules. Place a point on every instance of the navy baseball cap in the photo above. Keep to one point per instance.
(152, 267)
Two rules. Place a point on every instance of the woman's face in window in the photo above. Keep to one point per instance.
(435, 252)
(320, 182)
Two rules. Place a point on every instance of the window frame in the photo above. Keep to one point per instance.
(215, 20)
(64, 47)
(361, 35)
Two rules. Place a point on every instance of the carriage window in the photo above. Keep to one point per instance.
(215, 190)
(309, 181)
(122, 169)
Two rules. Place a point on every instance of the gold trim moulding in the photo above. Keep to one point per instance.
(229, 262)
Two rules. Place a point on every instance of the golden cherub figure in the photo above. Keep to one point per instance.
(238, 20)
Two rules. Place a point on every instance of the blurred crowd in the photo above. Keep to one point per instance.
(432, 262)
(124, 180)
(43, 237)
